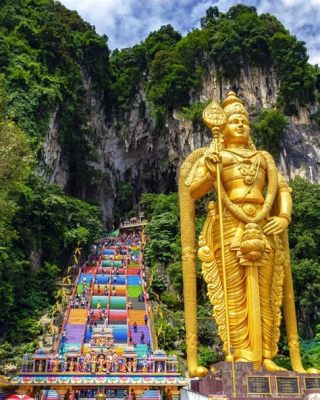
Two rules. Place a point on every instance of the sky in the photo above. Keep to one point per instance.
(128, 22)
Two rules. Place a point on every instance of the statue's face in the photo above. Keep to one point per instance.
(237, 130)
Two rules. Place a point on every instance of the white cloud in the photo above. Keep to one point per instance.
(127, 22)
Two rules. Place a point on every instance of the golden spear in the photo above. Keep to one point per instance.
(214, 117)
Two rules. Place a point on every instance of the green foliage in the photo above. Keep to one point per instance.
(14, 354)
(127, 66)
(162, 40)
(174, 272)
(268, 131)
(125, 198)
(169, 82)
(194, 112)
(46, 51)
(163, 241)
(79, 235)
(27, 329)
(305, 229)
(154, 204)
(304, 236)
(297, 77)
(47, 225)
(208, 357)
(16, 158)
(283, 361)
(171, 300)
(176, 65)
(310, 351)
(162, 233)
(50, 221)
(171, 330)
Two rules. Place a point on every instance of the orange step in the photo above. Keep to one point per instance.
(136, 316)
(102, 289)
(78, 316)
(121, 290)
(134, 265)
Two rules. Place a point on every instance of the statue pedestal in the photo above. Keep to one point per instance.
(249, 384)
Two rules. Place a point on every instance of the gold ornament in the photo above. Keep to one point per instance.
(243, 246)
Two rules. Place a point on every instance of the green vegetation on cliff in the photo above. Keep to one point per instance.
(39, 227)
(47, 55)
(230, 41)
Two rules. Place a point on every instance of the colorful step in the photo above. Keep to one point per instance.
(78, 316)
(120, 333)
(102, 279)
(99, 300)
(118, 315)
(118, 303)
(134, 291)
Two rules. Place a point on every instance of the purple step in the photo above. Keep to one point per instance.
(74, 332)
(137, 335)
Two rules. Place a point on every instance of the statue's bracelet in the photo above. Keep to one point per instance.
(286, 216)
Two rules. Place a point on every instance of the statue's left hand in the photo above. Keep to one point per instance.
(275, 225)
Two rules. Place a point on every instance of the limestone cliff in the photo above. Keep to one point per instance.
(130, 149)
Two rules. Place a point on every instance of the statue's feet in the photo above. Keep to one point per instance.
(313, 371)
(301, 370)
(198, 371)
(271, 366)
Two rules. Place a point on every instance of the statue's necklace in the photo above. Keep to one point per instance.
(248, 169)
(237, 211)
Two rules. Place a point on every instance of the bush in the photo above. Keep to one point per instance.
(207, 357)
(268, 131)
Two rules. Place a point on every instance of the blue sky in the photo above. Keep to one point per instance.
(128, 22)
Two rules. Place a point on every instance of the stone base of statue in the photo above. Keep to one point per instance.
(253, 385)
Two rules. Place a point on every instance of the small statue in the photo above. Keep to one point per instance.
(71, 365)
(134, 365)
(40, 366)
(243, 245)
(56, 365)
(93, 365)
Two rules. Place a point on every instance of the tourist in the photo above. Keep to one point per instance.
(64, 336)
(142, 338)
(135, 327)
(146, 319)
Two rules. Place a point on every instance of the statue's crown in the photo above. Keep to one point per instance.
(233, 105)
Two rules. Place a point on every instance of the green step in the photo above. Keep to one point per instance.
(118, 303)
(103, 301)
(134, 291)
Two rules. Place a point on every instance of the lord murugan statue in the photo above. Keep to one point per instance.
(243, 246)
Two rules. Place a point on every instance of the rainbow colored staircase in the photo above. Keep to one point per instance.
(105, 340)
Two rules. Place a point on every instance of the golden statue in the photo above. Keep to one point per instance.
(243, 246)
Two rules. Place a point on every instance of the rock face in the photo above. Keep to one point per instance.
(130, 149)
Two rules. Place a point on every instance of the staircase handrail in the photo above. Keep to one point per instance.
(67, 312)
(147, 304)
(88, 310)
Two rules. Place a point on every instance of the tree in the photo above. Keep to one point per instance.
(304, 235)
(268, 130)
